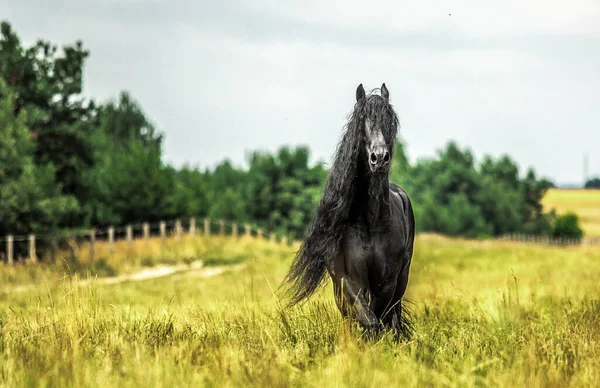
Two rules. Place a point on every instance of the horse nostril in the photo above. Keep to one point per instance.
(386, 157)
(373, 158)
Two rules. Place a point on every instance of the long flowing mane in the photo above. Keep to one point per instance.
(332, 215)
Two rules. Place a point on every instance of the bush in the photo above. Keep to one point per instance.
(567, 226)
(593, 183)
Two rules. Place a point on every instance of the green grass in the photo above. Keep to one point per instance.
(485, 314)
(585, 203)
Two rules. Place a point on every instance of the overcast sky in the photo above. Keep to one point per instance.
(224, 77)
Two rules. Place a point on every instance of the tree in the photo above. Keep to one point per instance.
(567, 226)
(188, 195)
(30, 200)
(132, 185)
(532, 190)
(593, 183)
(444, 192)
(124, 120)
(225, 194)
(400, 170)
(453, 195)
(49, 87)
(127, 152)
(282, 190)
(66, 162)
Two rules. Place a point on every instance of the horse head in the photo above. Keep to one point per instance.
(378, 122)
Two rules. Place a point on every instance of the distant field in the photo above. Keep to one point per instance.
(586, 203)
(490, 313)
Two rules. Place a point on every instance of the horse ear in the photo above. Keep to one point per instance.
(360, 92)
(384, 92)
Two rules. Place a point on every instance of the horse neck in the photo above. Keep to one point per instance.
(373, 200)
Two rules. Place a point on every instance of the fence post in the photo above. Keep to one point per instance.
(284, 240)
(32, 255)
(92, 244)
(129, 235)
(247, 228)
(53, 248)
(272, 237)
(177, 229)
(207, 227)
(259, 233)
(192, 226)
(146, 229)
(221, 227)
(73, 246)
(111, 240)
(163, 229)
(234, 230)
(9, 249)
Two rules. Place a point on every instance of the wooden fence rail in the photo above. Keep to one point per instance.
(129, 233)
(176, 229)
(550, 241)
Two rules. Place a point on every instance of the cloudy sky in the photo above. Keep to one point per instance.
(223, 77)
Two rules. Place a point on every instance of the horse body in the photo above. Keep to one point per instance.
(370, 272)
(362, 233)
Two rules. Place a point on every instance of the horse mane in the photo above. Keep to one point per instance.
(332, 215)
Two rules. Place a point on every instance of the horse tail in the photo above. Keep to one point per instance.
(305, 275)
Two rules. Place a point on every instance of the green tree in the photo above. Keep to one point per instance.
(132, 185)
(50, 86)
(567, 226)
(401, 171)
(30, 200)
(188, 195)
(129, 182)
(445, 192)
(124, 120)
(534, 221)
(455, 196)
(593, 183)
(282, 190)
(499, 197)
(224, 196)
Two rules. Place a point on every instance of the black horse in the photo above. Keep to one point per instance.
(363, 229)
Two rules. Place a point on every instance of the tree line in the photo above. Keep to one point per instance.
(592, 183)
(69, 162)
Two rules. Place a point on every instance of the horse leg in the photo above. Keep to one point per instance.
(353, 301)
(393, 316)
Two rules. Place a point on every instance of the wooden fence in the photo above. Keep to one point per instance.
(163, 229)
(550, 241)
(176, 229)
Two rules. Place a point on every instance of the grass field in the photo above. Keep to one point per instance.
(485, 314)
(586, 203)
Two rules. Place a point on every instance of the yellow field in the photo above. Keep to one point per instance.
(489, 313)
(586, 203)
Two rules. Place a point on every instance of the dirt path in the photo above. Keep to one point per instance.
(196, 267)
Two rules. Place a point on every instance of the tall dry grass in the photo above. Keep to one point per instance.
(485, 314)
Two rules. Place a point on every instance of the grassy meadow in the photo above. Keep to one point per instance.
(485, 313)
(586, 203)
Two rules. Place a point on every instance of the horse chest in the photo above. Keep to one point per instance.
(380, 257)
